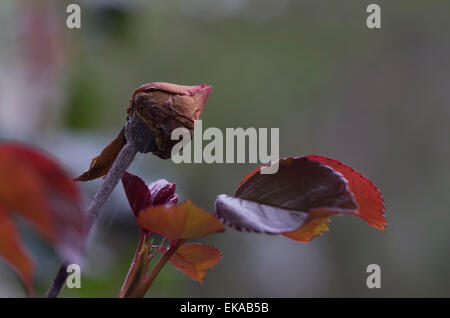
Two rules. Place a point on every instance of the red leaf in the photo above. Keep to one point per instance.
(300, 192)
(273, 190)
(367, 195)
(36, 188)
(194, 259)
(140, 196)
(12, 251)
(182, 221)
(138, 193)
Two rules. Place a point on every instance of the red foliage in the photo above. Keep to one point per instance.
(298, 200)
(36, 188)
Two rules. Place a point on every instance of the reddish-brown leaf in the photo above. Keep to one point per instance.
(367, 195)
(22, 190)
(289, 191)
(13, 252)
(140, 196)
(101, 164)
(33, 186)
(301, 192)
(182, 221)
(194, 259)
(138, 193)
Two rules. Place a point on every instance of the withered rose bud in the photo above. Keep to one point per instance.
(164, 107)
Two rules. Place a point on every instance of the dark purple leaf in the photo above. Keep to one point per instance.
(138, 194)
(301, 191)
(246, 215)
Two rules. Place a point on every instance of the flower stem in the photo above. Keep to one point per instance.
(121, 164)
(134, 265)
(158, 267)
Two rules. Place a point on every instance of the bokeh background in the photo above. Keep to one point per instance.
(377, 100)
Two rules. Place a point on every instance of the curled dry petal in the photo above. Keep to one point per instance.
(101, 164)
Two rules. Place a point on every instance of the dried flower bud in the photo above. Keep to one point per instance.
(162, 107)
(165, 107)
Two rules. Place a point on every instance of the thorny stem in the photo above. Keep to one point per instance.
(139, 137)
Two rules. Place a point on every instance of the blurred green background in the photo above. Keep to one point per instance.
(377, 100)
